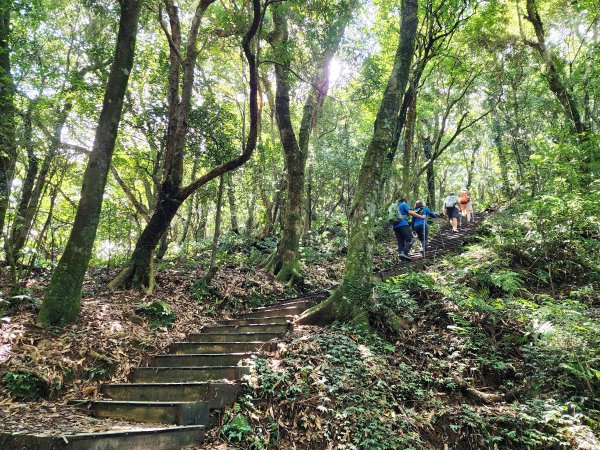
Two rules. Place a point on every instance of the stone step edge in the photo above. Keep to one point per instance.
(128, 402)
(63, 441)
(181, 384)
(158, 369)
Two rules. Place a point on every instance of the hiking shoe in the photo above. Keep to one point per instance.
(405, 257)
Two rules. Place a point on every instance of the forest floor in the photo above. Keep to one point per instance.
(42, 369)
(486, 357)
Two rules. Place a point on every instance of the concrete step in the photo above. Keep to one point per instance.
(177, 413)
(230, 337)
(201, 360)
(185, 374)
(193, 348)
(173, 438)
(278, 312)
(305, 303)
(216, 395)
(256, 328)
(257, 321)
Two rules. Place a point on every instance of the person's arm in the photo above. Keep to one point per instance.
(414, 214)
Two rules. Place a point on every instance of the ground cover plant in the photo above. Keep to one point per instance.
(166, 164)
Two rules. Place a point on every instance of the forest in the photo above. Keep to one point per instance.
(209, 212)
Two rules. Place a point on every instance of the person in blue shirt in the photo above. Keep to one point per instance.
(402, 229)
(420, 226)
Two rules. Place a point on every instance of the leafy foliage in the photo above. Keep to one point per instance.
(158, 312)
(25, 386)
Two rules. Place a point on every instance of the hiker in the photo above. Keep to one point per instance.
(465, 203)
(420, 226)
(398, 215)
(451, 203)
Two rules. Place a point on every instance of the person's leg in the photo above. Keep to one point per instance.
(407, 235)
(421, 236)
(399, 239)
(454, 223)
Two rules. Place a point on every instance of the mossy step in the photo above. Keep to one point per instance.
(189, 348)
(231, 337)
(216, 395)
(255, 328)
(184, 374)
(258, 321)
(177, 413)
(201, 360)
(173, 438)
(277, 312)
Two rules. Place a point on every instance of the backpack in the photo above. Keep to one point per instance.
(393, 214)
(450, 203)
(464, 198)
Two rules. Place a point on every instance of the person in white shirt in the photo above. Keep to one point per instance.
(451, 203)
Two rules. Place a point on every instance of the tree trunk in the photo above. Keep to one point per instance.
(350, 301)
(285, 263)
(409, 136)
(202, 218)
(251, 208)
(555, 79)
(139, 271)
(497, 137)
(63, 297)
(163, 245)
(232, 209)
(8, 149)
(430, 174)
(12, 251)
(212, 268)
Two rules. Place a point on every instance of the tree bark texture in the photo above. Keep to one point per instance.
(285, 263)
(430, 174)
(8, 147)
(63, 297)
(212, 268)
(349, 302)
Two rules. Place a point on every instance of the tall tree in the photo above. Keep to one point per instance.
(7, 111)
(556, 81)
(349, 302)
(296, 148)
(63, 297)
(139, 271)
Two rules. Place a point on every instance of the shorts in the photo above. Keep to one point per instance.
(452, 213)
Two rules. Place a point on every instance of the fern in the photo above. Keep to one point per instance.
(507, 280)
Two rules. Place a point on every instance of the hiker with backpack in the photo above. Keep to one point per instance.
(398, 215)
(466, 205)
(420, 226)
(451, 204)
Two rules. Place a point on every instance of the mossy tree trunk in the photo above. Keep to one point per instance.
(285, 263)
(349, 302)
(63, 297)
(430, 174)
(8, 147)
(139, 271)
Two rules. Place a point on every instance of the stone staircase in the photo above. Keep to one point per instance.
(444, 241)
(180, 388)
(178, 391)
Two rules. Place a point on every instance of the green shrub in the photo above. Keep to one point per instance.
(25, 386)
(158, 312)
(201, 291)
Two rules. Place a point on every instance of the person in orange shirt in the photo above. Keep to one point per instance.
(465, 204)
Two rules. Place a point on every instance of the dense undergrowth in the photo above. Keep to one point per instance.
(498, 345)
